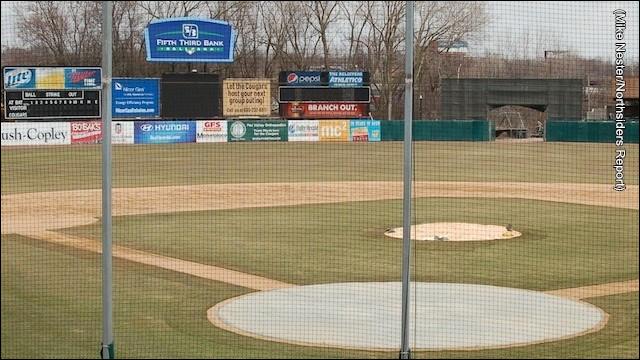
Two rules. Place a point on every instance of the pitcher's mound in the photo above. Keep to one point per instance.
(455, 232)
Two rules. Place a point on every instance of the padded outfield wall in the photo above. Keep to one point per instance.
(589, 131)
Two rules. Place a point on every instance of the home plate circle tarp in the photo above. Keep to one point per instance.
(444, 316)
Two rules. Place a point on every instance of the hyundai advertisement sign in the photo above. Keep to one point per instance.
(135, 97)
(164, 132)
(189, 40)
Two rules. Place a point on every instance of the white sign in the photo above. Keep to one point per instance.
(32, 133)
(211, 131)
(122, 132)
(303, 130)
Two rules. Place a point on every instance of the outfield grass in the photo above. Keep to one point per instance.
(562, 245)
(51, 309)
(78, 167)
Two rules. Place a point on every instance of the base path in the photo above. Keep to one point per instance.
(37, 215)
(585, 292)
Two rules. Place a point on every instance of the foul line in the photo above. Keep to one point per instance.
(208, 272)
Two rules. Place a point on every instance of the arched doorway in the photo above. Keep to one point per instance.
(519, 122)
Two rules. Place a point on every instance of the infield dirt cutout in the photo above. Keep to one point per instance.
(447, 231)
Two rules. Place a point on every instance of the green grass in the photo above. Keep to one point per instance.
(78, 167)
(51, 309)
(562, 245)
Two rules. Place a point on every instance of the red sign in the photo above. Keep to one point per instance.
(323, 110)
(86, 132)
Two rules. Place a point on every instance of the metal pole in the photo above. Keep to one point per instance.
(405, 352)
(107, 350)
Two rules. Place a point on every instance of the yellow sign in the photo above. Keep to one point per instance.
(333, 130)
(246, 97)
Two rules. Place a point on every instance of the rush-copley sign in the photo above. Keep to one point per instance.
(324, 110)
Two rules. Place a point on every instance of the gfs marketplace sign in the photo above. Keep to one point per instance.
(189, 40)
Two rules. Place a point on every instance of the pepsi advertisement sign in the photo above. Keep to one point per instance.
(301, 78)
(189, 40)
(164, 132)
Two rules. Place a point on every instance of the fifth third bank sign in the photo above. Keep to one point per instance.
(189, 40)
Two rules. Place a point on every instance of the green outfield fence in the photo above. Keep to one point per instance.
(590, 131)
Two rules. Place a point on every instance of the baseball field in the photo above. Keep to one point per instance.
(198, 224)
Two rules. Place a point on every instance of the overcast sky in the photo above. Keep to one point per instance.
(517, 28)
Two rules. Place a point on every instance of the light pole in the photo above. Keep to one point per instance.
(420, 109)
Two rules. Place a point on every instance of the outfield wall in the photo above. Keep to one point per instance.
(590, 131)
(201, 131)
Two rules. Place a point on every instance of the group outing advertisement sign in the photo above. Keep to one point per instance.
(189, 40)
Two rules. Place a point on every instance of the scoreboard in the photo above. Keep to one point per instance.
(48, 104)
(324, 94)
(331, 94)
(52, 92)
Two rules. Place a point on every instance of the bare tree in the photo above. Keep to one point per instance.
(69, 32)
(383, 40)
(353, 15)
(321, 14)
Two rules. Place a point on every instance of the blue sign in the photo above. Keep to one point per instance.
(164, 132)
(52, 78)
(135, 98)
(304, 78)
(345, 78)
(365, 130)
(189, 40)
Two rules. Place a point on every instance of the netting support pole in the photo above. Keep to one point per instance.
(405, 352)
(107, 349)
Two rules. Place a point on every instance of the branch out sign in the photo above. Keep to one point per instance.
(189, 40)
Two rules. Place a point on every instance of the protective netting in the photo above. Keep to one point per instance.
(258, 196)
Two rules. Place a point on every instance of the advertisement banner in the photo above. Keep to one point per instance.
(189, 40)
(258, 130)
(334, 130)
(302, 78)
(365, 130)
(304, 130)
(135, 97)
(323, 110)
(40, 133)
(346, 78)
(52, 78)
(211, 131)
(164, 132)
(246, 97)
(86, 132)
(122, 132)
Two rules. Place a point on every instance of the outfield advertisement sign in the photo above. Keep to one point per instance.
(86, 132)
(164, 132)
(258, 130)
(36, 133)
(246, 97)
(334, 130)
(135, 97)
(52, 78)
(208, 131)
(346, 78)
(365, 130)
(189, 40)
(301, 78)
(304, 130)
(323, 110)
(122, 132)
